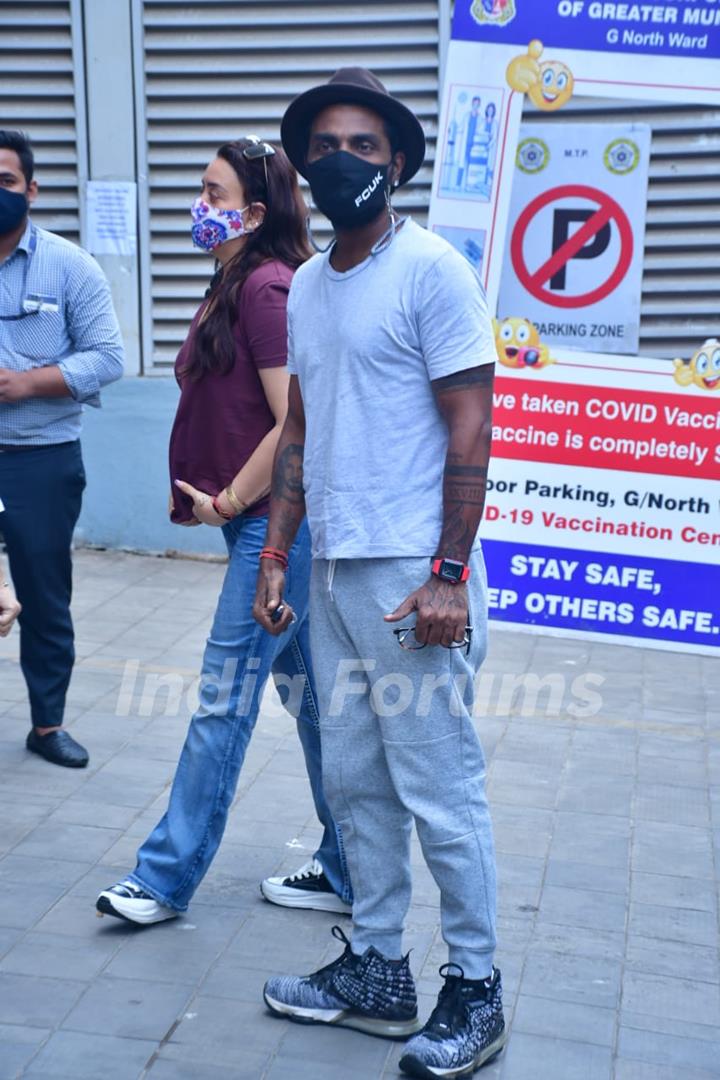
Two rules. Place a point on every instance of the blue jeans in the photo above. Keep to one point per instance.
(239, 657)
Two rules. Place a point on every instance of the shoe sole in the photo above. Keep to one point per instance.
(277, 894)
(413, 1067)
(105, 906)
(384, 1029)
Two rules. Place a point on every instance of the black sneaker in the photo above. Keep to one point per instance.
(306, 888)
(126, 901)
(368, 993)
(466, 1028)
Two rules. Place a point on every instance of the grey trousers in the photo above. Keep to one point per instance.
(398, 745)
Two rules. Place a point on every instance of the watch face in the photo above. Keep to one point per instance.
(451, 570)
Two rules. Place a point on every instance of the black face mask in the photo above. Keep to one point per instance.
(13, 208)
(348, 191)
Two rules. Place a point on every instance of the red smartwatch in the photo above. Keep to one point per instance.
(451, 570)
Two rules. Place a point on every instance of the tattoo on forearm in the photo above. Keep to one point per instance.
(469, 496)
(465, 478)
(465, 470)
(464, 490)
(284, 523)
(457, 534)
(287, 508)
(287, 481)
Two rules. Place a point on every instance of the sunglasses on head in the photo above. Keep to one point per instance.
(258, 149)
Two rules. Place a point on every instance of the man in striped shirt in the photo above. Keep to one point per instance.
(59, 345)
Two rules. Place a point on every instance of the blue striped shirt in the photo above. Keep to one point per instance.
(74, 327)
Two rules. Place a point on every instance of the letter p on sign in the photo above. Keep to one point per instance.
(548, 281)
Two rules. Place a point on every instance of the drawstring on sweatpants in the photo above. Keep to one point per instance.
(332, 563)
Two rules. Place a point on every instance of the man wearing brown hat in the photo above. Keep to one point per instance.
(391, 357)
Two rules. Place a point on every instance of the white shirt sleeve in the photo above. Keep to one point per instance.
(291, 304)
(454, 323)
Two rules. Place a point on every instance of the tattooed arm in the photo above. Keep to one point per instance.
(465, 402)
(287, 510)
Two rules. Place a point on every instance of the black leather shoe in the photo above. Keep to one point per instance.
(59, 748)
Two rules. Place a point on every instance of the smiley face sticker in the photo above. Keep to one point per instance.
(518, 344)
(548, 83)
(703, 368)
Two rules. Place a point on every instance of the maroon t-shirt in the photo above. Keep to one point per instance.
(221, 419)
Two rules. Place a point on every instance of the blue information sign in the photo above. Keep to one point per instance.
(601, 593)
(679, 28)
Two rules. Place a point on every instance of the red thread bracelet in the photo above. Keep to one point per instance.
(274, 558)
(276, 555)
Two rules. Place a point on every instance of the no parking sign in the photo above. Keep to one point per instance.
(573, 265)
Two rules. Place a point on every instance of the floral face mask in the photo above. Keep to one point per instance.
(211, 227)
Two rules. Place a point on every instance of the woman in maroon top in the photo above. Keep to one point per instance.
(233, 398)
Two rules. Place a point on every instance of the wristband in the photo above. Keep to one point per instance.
(451, 570)
(218, 509)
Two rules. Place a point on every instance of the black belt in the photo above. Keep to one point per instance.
(16, 448)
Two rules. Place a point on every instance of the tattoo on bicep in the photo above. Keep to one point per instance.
(476, 377)
(287, 482)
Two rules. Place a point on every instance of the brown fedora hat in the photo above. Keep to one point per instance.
(352, 86)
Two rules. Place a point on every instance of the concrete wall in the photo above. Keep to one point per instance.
(125, 450)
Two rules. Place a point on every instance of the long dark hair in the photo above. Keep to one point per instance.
(282, 236)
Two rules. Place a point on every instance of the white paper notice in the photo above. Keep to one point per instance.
(111, 217)
(574, 251)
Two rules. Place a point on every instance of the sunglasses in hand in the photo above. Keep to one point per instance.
(407, 640)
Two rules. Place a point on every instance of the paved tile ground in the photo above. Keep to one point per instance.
(608, 836)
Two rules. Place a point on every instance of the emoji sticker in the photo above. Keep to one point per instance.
(518, 344)
(549, 84)
(703, 368)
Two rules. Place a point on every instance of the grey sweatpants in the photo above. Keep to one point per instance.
(398, 745)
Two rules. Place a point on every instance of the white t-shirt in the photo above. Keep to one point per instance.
(365, 345)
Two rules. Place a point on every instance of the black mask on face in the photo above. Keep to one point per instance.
(348, 191)
(13, 208)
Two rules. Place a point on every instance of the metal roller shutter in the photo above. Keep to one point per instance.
(42, 93)
(681, 278)
(221, 68)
